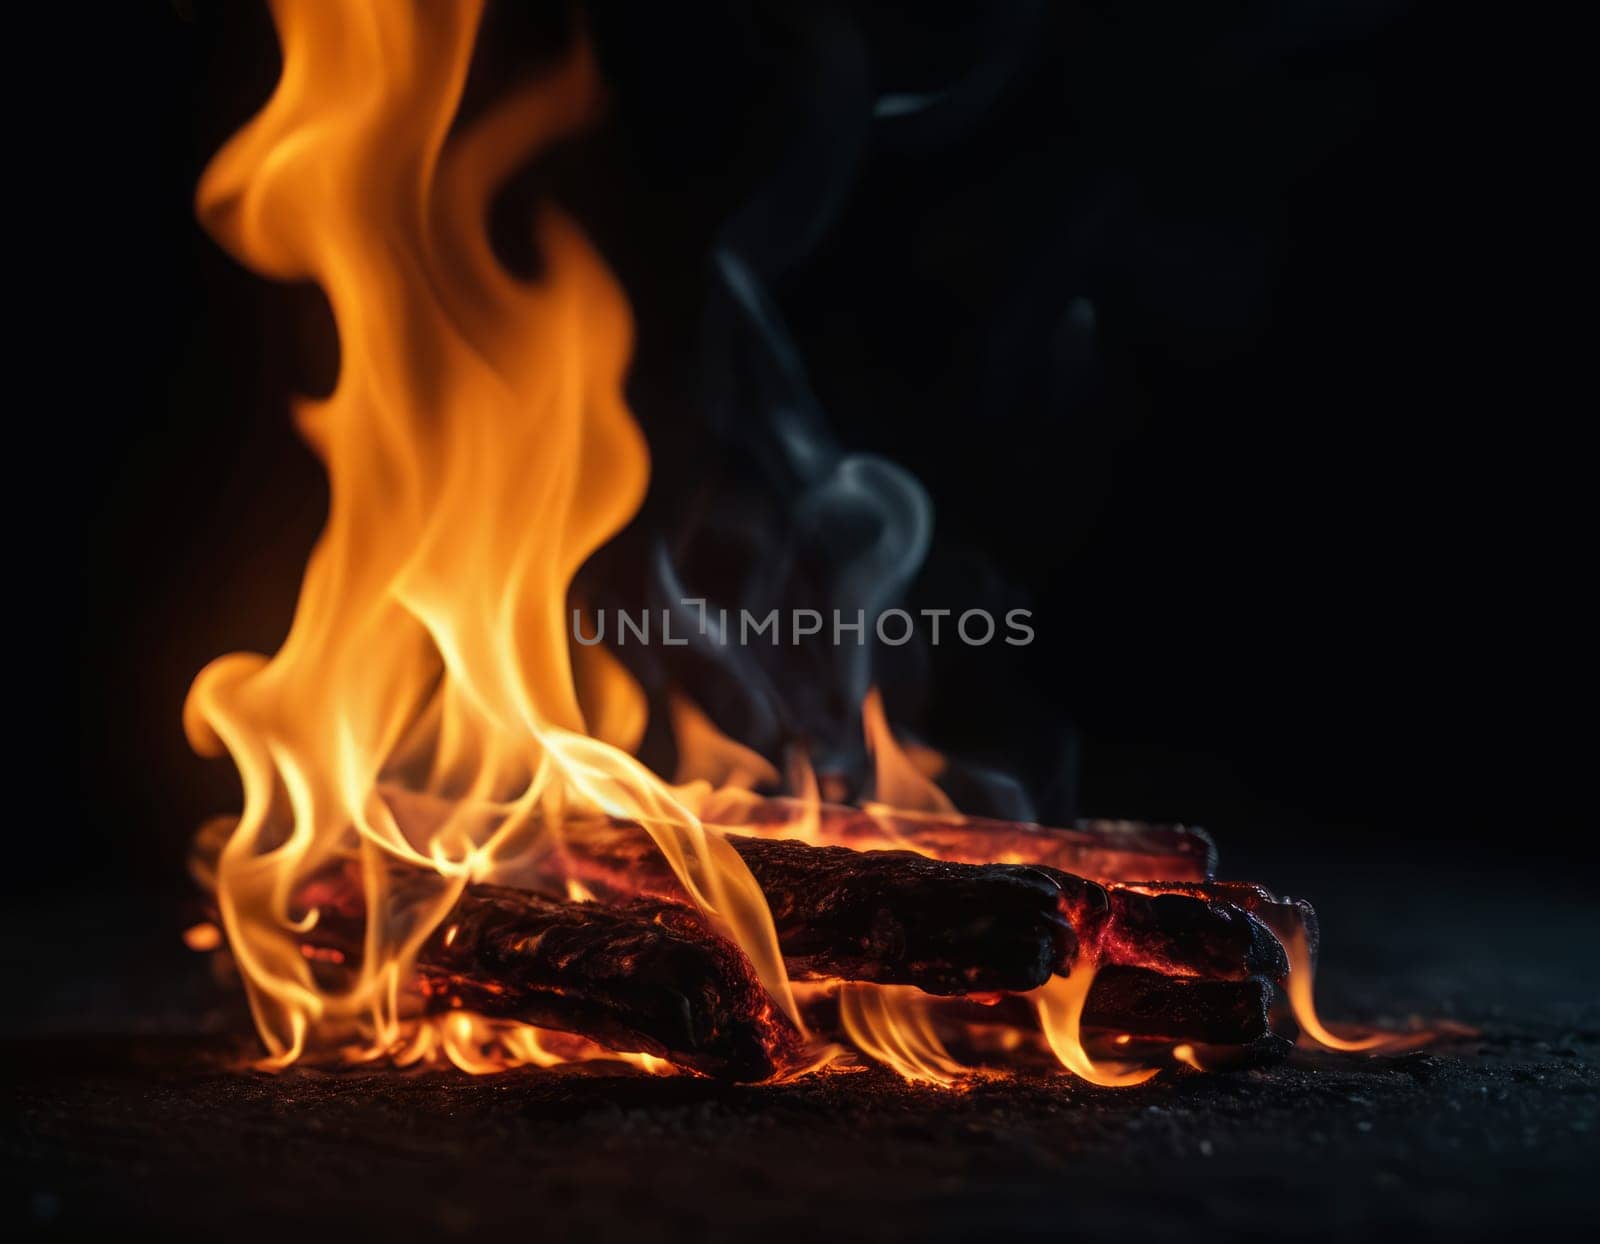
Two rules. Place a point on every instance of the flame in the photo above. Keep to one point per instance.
(480, 1046)
(478, 449)
(613, 704)
(1301, 992)
(707, 755)
(1060, 1005)
(202, 937)
(903, 779)
(807, 822)
(892, 1025)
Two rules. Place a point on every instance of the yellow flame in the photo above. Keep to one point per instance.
(613, 703)
(1302, 1002)
(705, 754)
(481, 1046)
(807, 823)
(1185, 1054)
(478, 449)
(891, 1024)
(1060, 1005)
(899, 782)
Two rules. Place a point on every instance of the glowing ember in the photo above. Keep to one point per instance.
(203, 936)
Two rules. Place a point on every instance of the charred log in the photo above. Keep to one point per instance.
(1130, 1015)
(896, 917)
(1148, 1004)
(1180, 935)
(1183, 929)
(1286, 917)
(646, 977)
(1100, 849)
(893, 917)
(889, 917)
(1138, 1004)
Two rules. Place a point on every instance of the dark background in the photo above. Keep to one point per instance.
(1270, 500)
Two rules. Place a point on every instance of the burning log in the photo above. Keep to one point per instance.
(1129, 1014)
(1286, 917)
(889, 917)
(1138, 1003)
(1177, 963)
(900, 917)
(647, 977)
(1147, 1004)
(1100, 849)
(893, 917)
(896, 917)
(1177, 934)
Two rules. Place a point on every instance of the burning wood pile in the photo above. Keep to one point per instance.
(907, 945)
(448, 846)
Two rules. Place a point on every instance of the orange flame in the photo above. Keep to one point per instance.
(202, 937)
(892, 1025)
(1184, 1053)
(482, 1046)
(1300, 986)
(903, 776)
(478, 450)
(707, 755)
(1060, 1005)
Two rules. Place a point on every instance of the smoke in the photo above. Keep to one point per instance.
(795, 518)
(814, 527)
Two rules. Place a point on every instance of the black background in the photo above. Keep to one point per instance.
(1287, 563)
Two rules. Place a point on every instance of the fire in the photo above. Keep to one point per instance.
(478, 450)
(1300, 988)
(894, 1025)
(202, 937)
(482, 1046)
(710, 758)
(1060, 1005)
(427, 716)
(904, 776)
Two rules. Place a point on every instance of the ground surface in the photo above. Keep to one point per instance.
(143, 1121)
